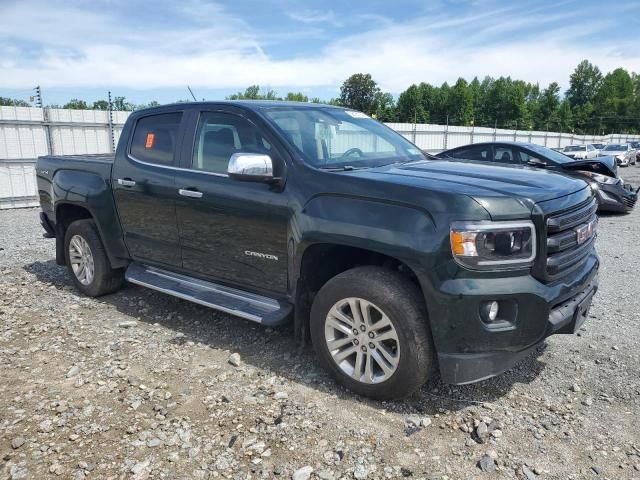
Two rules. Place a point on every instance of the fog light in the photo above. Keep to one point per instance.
(489, 311)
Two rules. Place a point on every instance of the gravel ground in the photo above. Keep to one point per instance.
(142, 385)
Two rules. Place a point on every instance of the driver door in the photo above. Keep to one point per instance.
(230, 231)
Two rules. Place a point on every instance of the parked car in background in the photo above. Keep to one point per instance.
(393, 265)
(580, 152)
(598, 146)
(636, 146)
(624, 154)
(601, 173)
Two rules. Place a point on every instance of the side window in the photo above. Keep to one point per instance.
(524, 156)
(482, 153)
(590, 148)
(504, 155)
(219, 136)
(154, 138)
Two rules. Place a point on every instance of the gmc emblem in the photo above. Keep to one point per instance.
(585, 232)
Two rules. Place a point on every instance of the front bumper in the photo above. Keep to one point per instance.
(464, 368)
(616, 198)
(469, 351)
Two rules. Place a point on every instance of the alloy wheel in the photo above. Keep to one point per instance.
(362, 340)
(81, 260)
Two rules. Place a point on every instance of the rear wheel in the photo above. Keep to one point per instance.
(87, 260)
(369, 328)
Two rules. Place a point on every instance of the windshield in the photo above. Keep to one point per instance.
(574, 148)
(550, 154)
(614, 148)
(335, 138)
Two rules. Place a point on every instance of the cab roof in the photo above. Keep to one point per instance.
(247, 104)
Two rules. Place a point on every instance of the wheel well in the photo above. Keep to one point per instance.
(65, 215)
(321, 262)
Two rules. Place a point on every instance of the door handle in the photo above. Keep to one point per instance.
(190, 193)
(126, 182)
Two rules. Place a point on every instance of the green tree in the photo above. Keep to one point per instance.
(565, 116)
(253, 92)
(546, 108)
(584, 83)
(121, 104)
(296, 97)
(76, 104)
(385, 108)
(410, 108)
(461, 103)
(100, 105)
(13, 102)
(360, 92)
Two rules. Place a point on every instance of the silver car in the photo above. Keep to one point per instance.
(624, 153)
(580, 152)
(598, 146)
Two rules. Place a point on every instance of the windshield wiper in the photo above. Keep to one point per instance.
(341, 168)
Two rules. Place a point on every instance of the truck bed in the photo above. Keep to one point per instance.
(70, 178)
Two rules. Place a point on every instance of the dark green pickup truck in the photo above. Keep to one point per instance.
(394, 266)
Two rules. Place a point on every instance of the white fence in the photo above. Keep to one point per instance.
(26, 133)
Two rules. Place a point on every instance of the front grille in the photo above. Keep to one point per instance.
(629, 201)
(563, 251)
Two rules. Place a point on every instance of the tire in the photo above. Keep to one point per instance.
(80, 235)
(383, 293)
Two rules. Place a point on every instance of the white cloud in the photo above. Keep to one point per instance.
(211, 48)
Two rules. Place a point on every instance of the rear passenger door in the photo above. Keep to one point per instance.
(231, 231)
(144, 189)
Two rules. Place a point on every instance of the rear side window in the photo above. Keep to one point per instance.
(155, 138)
(481, 152)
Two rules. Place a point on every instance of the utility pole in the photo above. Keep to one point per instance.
(38, 97)
(45, 118)
(113, 139)
(446, 133)
(415, 121)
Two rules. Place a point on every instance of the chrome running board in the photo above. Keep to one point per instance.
(257, 308)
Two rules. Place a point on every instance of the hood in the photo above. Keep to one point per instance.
(604, 165)
(497, 188)
(613, 152)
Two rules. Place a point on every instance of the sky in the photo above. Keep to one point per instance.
(151, 50)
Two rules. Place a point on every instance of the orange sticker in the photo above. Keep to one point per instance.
(150, 138)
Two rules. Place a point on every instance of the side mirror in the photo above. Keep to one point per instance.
(251, 167)
(536, 162)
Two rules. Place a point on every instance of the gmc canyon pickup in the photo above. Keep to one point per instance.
(393, 265)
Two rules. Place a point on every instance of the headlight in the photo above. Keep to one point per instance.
(493, 245)
(599, 178)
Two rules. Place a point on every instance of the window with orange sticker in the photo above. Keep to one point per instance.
(150, 138)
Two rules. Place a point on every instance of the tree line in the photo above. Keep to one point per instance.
(594, 103)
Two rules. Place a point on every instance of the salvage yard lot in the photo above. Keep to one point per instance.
(139, 384)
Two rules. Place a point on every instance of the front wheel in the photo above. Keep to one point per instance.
(369, 328)
(87, 260)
